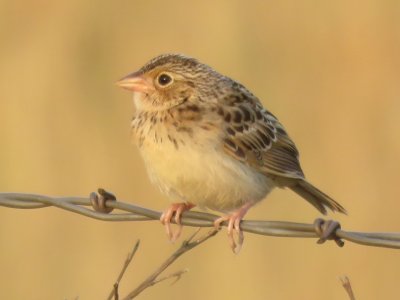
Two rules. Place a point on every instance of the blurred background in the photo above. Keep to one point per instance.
(329, 70)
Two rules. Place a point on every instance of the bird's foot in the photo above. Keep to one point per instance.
(174, 211)
(234, 220)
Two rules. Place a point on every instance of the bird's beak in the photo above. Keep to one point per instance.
(134, 82)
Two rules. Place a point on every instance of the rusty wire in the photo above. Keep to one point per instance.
(320, 229)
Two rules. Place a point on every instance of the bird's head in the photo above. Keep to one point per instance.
(167, 81)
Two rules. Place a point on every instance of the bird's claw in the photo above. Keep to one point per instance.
(233, 229)
(174, 212)
(233, 226)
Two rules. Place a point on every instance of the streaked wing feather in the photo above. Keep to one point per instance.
(254, 136)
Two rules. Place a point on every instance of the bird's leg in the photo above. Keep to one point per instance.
(234, 220)
(175, 209)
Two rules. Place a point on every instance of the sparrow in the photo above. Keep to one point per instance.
(207, 141)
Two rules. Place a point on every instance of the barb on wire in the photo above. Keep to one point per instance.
(322, 230)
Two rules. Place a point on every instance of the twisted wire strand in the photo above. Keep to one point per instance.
(131, 212)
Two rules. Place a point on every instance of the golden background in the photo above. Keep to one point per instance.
(329, 70)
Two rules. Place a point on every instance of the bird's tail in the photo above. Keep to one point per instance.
(318, 199)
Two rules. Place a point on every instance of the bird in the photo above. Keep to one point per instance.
(207, 141)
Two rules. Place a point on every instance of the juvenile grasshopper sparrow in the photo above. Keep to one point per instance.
(207, 141)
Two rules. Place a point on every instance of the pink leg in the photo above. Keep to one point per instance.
(234, 220)
(175, 209)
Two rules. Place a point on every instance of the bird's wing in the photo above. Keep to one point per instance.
(254, 136)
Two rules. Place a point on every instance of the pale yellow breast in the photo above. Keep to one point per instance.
(197, 170)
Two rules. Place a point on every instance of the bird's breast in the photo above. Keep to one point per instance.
(187, 162)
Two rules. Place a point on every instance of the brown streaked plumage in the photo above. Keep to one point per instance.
(208, 141)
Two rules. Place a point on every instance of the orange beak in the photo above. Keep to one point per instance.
(134, 82)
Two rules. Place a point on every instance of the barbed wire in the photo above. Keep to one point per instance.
(320, 229)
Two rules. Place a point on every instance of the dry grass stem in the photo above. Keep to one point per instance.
(154, 278)
(114, 292)
(347, 286)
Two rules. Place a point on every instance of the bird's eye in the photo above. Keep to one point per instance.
(164, 79)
